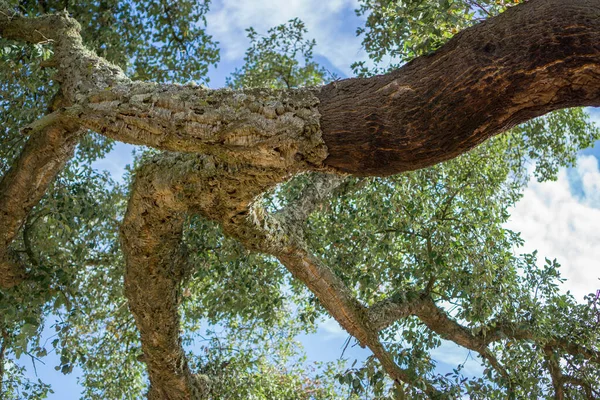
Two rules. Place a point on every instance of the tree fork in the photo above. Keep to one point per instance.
(509, 69)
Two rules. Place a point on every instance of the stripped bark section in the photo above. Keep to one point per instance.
(534, 58)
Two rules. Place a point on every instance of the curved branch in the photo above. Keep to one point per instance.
(396, 307)
(281, 236)
(23, 186)
(165, 191)
(281, 241)
(80, 71)
(174, 185)
(534, 58)
(52, 145)
(440, 322)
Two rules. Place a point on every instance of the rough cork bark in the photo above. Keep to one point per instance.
(232, 146)
(23, 186)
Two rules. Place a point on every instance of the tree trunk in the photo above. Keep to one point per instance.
(537, 57)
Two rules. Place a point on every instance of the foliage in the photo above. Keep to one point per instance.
(440, 229)
(443, 227)
(274, 60)
(398, 31)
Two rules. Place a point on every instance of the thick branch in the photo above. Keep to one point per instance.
(264, 127)
(165, 191)
(42, 158)
(282, 237)
(420, 304)
(396, 307)
(534, 58)
(151, 233)
(222, 192)
(438, 321)
(589, 392)
(504, 330)
(51, 146)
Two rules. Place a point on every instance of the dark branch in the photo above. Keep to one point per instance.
(534, 58)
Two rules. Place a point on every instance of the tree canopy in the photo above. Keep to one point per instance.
(254, 211)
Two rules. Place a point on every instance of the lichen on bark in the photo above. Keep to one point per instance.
(232, 146)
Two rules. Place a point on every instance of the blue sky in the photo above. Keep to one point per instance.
(560, 218)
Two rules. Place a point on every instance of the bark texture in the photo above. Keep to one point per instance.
(156, 264)
(233, 146)
(169, 187)
(537, 57)
(23, 186)
(165, 191)
(262, 127)
(52, 145)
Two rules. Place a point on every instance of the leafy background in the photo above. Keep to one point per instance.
(455, 221)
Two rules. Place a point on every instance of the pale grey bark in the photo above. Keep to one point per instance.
(48, 149)
(252, 140)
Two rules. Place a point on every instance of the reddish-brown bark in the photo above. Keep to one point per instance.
(535, 58)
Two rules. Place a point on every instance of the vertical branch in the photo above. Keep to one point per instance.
(151, 236)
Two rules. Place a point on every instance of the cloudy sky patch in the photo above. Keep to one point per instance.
(332, 23)
(563, 224)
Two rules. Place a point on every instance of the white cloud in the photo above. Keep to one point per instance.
(565, 226)
(332, 329)
(332, 23)
(449, 355)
